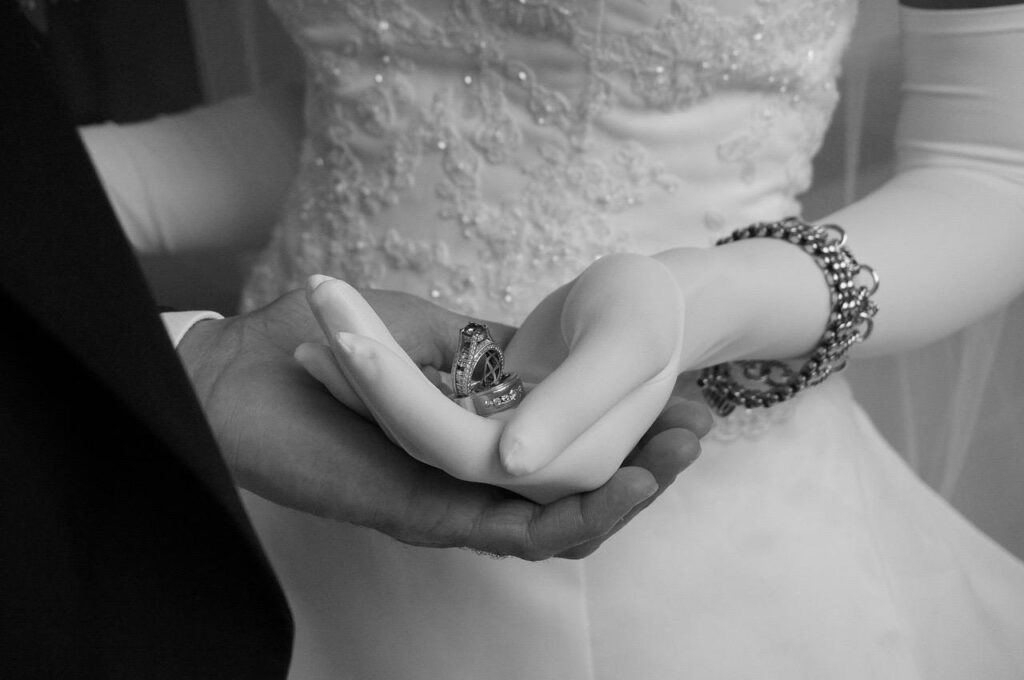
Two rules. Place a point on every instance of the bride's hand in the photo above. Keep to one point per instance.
(604, 350)
(595, 409)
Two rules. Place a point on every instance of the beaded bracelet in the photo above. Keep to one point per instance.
(764, 383)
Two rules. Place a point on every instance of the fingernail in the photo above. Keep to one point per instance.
(346, 341)
(646, 489)
(302, 353)
(315, 280)
(514, 458)
(640, 492)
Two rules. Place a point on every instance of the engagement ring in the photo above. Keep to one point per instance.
(479, 381)
(479, 362)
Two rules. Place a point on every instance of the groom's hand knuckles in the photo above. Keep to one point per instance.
(500, 529)
(536, 542)
(554, 528)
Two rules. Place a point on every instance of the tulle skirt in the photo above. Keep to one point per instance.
(806, 550)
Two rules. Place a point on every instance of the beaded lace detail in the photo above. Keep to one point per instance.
(441, 104)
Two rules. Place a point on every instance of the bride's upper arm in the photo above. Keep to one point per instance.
(213, 177)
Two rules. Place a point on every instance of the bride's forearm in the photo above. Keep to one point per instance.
(213, 177)
(944, 235)
(948, 246)
(946, 243)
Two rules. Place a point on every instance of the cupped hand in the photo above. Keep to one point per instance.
(285, 438)
(604, 351)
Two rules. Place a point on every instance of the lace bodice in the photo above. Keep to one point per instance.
(482, 152)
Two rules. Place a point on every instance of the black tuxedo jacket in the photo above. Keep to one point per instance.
(124, 552)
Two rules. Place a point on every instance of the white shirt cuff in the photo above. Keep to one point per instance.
(178, 323)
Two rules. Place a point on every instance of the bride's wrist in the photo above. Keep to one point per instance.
(761, 298)
(711, 322)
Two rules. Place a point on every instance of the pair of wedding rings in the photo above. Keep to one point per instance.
(479, 381)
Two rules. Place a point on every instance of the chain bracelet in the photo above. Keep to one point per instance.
(764, 383)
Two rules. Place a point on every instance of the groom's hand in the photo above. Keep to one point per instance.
(670, 445)
(285, 438)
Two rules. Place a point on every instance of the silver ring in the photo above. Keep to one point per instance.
(479, 362)
(495, 399)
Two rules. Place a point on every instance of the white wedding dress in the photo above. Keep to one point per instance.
(482, 152)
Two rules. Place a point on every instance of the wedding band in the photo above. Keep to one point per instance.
(495, 399)
(479, 363)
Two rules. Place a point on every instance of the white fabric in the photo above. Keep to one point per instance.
(178, 324)
(481, 150)
(210, 178)
(808, 551)
(797, 560)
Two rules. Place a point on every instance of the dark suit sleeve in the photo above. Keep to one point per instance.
(124, 552)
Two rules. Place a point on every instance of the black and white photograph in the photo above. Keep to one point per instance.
(512, 339)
